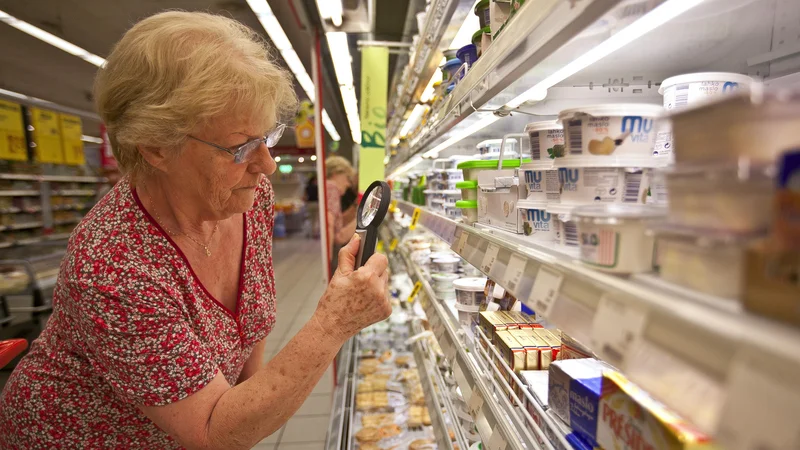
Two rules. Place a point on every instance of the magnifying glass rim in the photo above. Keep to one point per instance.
(386, 195)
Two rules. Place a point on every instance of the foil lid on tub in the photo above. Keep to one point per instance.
(546, 140)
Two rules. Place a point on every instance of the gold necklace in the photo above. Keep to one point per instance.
(161, 222)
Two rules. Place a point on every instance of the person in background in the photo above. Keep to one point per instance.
(341, 223)
(311, 198)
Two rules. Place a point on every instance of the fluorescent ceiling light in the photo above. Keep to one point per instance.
(649, 22)
(313, 157)
(464, 35)
(427, 93)
(413, 119)
(331, 10)
(342, 65)
(277, 159)
(92, 139)
(301, 159)
(52, 39)
(461, 134)
(408, 165)
(279, 39)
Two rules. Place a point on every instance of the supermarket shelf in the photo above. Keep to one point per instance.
(442, 21)
(35, 240)
(69, 207)
(690, 351)
(74, 193)
(21, 226)
(19, 193)
(54, 178)
(67, 221)
(15, 210)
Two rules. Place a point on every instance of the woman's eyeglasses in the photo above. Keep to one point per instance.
(241, 152)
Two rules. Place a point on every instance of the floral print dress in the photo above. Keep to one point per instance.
(132, 325)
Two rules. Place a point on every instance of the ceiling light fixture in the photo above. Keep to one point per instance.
(277, 159)
(406, 166)
(313, 157)
(342, 65)
(301, 159)
(461, 134)
(52, 39)
(413, 119)
(279, 39)
(331, 10)
(92, 139)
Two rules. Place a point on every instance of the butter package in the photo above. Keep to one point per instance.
(545, 351)
(490, 322)
(513, 352)
(551, 339)
(609, 411)
(532, 348)
(572, 349)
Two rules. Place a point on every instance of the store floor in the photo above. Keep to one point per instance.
(299, 284)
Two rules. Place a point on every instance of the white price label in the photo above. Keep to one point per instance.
(461, 380)
(489, 258)
(475, 402)
(616, 330)
(448, 350)
(461, 243)
(514, 272)
(545, 291)
(497, 441)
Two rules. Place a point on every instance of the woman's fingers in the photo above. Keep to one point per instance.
(348, 254)
(377, 263)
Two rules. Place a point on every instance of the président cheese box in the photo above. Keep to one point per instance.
(609, 411)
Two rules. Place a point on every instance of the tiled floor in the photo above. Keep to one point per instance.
(299, 283)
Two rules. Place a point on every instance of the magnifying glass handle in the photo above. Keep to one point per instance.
(369, 239)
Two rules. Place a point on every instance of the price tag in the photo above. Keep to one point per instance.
(461, 243)
(449, 350)
(616, 330)
(393, 206)
(545, 291)
(414, 292)
(514, 272)
(379, 247)
(461, 380)
(393, 245)
(496, 442)
(475, 402)
(415, 218)
(489, 258)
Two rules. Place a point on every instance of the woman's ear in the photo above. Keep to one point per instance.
(155, 156)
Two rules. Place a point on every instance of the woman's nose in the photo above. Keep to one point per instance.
(260, 161)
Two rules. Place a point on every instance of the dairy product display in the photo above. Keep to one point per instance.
(566, 229)
(541, 181)
(536, 222)
(585, 185)
(546, 140)
(469, 291)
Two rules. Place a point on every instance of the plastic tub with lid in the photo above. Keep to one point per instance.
(537, 223)
(482, 11)
(708, 262)
(446, 264)
(469, 210)
(754, 125)
(733, 197)
(450, 197)
(469, 291)
(450, 68)
(481, 39)
(614, 135)
(585, 185)
(468, 316)
(444, 281)
(546, 140)
(490, 148)
(450, 53)
(471, 168)
(468, 54)
(469, 189)
(566, 229)
(615, 238)
(452, 212)
(541, 181)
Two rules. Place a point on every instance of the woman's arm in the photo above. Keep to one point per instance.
(346, 232)
(219, 416)
(254, 362)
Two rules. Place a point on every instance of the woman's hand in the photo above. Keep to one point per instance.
(355, 299)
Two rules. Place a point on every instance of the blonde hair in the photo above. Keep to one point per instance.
(335, 165)
(175, 71)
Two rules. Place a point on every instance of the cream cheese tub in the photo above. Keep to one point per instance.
(468, 315)
(614, 238)
(537, 223)
(469, 189)
(541, 181)
(615, 135)
(446, 264)
(712, 263)
(748, 125)
(734, 197)
(444, 281)
(469, 291)
(585, 185)
(452, 212)
(546, 140)
(566, 229)
(469, 210)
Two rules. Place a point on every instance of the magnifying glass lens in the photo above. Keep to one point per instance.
(371, 206)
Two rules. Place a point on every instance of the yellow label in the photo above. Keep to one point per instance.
(415, 291)
(393, 206)
(46, 136)
(12, 132)
(414, 218)
(393, 244)
(379, 247)
(71, 132)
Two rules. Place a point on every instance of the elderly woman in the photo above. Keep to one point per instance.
(339, 174)
(166, 295)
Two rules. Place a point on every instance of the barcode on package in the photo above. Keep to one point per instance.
(633, 182)
(571, 234)
(536, 151)
(681, 95)
(575, 137)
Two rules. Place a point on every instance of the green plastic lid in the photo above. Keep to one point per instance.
(467, 204)
(477, 35)
(467, 184)
(491, 163)
(481, 5)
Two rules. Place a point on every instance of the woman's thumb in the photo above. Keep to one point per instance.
(348, 254)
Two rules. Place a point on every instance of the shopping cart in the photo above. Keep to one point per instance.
(10, 349)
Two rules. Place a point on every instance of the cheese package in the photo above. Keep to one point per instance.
(572, 349)
(551, 339)
(531, 346)
(609, 411)
(513, 352)
(545, 351)
(490, 322)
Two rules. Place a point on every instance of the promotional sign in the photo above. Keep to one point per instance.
(374, 84)
(12, 132)
(71, 132)
(304, 125)
(46, 136)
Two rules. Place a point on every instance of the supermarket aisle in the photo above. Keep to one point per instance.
(298, 275)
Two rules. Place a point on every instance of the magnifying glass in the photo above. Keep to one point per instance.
(369, 216)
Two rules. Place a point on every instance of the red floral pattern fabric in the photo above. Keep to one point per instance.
(132, 325)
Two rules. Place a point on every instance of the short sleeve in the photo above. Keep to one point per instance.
(334, 204)
(138, 339)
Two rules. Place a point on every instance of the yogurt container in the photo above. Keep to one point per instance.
(473, 167)
(735, 198)
(469, 189)
(482, 11)
(450, 197)
(616, 135)
(467, 315)
(614, 237)
(444, 281)
(452, 212)
(585, 185)
(566, 229)
(546, 140)
(490, 148)
(446, 264)
(450, 68)
(537, 223)
(468, 54)
(469, 291)
(541, 180)
(748, 125)
(469, 210)
(712, 263)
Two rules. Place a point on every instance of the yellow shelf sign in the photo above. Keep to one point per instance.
(71, 132)
(393, 245)
(393, 206)
(414, 292)
(379, 247)
(12, 132)
(414, 218)
(46, 136)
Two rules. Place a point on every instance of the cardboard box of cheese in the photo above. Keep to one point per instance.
(606, 409)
